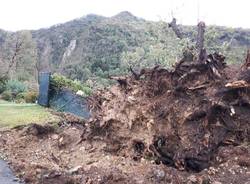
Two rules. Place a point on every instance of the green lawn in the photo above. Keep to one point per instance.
(12, 114)
(3, 102)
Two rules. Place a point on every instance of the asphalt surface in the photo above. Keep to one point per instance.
(6, 175)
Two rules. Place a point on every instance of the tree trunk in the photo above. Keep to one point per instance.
(175, 28)
(200, 42)
(246, 65)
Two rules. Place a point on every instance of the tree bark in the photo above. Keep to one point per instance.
(13, 61)
(175, 28)
(200, 42)
(200, 36)
(246, 65)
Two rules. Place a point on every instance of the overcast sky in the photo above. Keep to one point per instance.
(34, 14)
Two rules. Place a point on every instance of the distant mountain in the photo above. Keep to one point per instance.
(92, 47)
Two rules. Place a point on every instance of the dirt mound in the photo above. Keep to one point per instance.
(179, 118)
(186, 125)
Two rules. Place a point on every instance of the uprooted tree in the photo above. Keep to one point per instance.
(201, 51)
(179, 117)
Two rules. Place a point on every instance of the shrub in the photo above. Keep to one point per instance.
(30, 97)
(15, 87)
(2, 87)
(20, 96)
(7, 95)
(59, 81)
(87, 90)
(21, 100)
(3, 81)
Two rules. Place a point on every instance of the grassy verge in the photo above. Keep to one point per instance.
(12, 114)
(4, 102)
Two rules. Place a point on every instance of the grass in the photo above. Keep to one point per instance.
(3, 102)
(12, 114)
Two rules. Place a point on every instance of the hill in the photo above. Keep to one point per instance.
(93, 47)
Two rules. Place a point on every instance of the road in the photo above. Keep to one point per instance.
(6, 175)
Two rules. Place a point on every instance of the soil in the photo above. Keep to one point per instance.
(186, 125)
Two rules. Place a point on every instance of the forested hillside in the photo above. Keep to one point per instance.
(93, 47)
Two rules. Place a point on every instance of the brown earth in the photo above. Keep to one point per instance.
(188, 125)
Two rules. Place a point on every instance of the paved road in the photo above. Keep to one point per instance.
(6, 175)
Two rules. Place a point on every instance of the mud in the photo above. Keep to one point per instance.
(186, 125)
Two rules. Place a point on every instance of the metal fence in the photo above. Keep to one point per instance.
(44, 80)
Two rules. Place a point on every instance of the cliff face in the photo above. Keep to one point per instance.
(96, 46)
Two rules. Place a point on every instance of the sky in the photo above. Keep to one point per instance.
(34, 14)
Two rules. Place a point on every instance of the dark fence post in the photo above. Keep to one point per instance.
(44, 81)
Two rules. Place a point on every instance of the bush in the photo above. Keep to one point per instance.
(21, 100)
(3, 81)
(59, 82)
(7, 95)
(30, 97)
(15, 87)
(87, 90)
(20, 96)
(2, 87)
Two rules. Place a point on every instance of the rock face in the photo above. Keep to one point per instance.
(67, 53)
